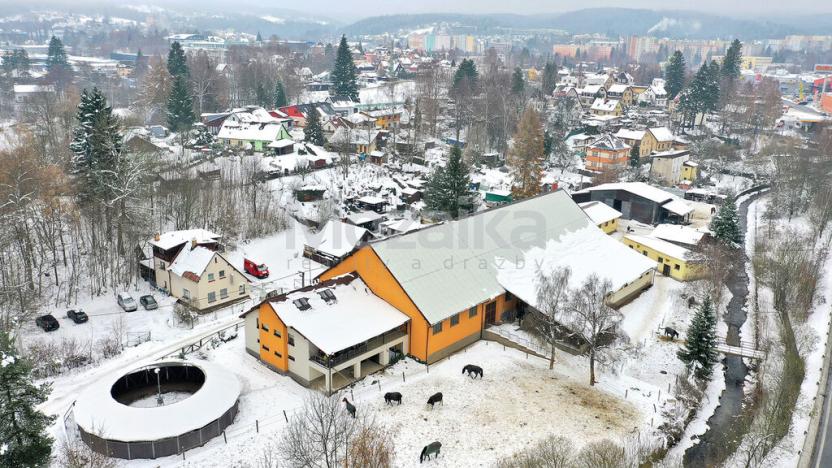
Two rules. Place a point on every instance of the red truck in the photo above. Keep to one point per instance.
(258, 270)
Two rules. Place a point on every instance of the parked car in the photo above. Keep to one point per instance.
(47, 322)
(127, 302)
(148, 302)
(77, 316)
(258, 270)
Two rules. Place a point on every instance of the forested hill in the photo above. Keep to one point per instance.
(612, 21)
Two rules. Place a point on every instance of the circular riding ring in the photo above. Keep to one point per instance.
(156, 410)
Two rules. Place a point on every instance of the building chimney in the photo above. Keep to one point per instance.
(193, 243)
(156, 237)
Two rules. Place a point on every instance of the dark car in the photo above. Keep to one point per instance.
(148, 302)
(77, 316)
(47, 322)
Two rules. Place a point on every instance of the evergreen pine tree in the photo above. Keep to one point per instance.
(180, 109)
(314, 133)
(467, 70)
(262, 95)
(259, 37)
(24, 440)
(279, 95)
(526, 156)
(732, 61)
(177, 64)
(674, 74)
(550, 78)
(635, 158)
(699, 352)
(448, 187)
(203, 136)
(518, 83)
(548, 143)
(344, 72)
(96, 146)
(56, 55)
(725, 225)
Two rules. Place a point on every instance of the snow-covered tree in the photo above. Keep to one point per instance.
(550, 78)
(96, 146)
(732, 61)
(203, 136)
(24, 440)
(674, 74)
(180, 109)
(725, 225)
(592, 318)
(526, 156)
(699, 352)
(635, 158)
(344, 72)
(448, 186)
(518, 82)
(56, 55)
(553, 296)
(314, 132)
(177, 63)
(279, 94)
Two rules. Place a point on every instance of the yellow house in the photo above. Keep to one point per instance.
(622, 92)
(671, 260)
(604, 106)
(651, 140)
(690, 170)
(603, 215)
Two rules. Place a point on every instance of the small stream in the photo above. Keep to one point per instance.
(708, 452)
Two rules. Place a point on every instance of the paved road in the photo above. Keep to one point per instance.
(824, 445)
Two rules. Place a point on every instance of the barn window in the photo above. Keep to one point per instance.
(437, 328)
(677, 267)
(454, 319)
(472, 312)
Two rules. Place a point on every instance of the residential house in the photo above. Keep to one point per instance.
(647, 141)
(607, 152)
(452, 289)
(332, 125)
(335, 241)
(684, 236)
(188, 265)
(671, 259)
(388, 118)
(359, 141)
(606, 107)
(603, 215)
(589, 93)
(256, 129)
(667, 166)
(328, 334)
(621, 92)
(343, 105)
(638, 201)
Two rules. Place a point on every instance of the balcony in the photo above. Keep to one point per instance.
(370, 346)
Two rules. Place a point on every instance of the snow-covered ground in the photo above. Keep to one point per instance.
(518, 402)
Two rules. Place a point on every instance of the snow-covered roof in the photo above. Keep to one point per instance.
(449, 267)
(96, 409)
(599, 212)
(32, 88)
(337, 238)
(603, 104)
(403, 225)
(371, 200)
(192, 261)
(637, 188)
(355, 316)
(670, 154)
(662, 133)
(171, 239)
(667, 248)
(628, 134)
(363, 217)
(250, 131)
(678, 207)
(678, 234)
(282, 143)
(610, 143)
(618, 88)
(585, 251)
(590, 89)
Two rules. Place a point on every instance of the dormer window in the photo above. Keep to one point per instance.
(328, 296)
(301, 303)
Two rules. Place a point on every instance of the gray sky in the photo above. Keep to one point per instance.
(353, 9)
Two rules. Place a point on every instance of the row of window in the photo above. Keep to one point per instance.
(211, 275)
(276, 333)
(676, 266)
(266, 348)
(212, 296)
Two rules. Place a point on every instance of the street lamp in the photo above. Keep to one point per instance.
(159, 400)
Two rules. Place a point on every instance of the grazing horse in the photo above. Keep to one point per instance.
(390, 397)
(472, 371)
(670, 332)
(431, 448)
(434, 399)
(350, 407)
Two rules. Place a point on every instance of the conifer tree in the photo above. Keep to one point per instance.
(448, 187)
(56, 55)
(725, 225)
(180, 109)
(550, 78)
(96, 145)
(279, 95)
(518, 83)
(314, 132)
(177, 64)
(699, 352)
(635, 158)
(465, 73)
(732, 61)
(24, 440)
(526, 156)
(674, 74)
(344, 72)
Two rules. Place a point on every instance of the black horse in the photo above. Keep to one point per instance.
(472, 371)
(390, 397)
(350, 407)
(670, 332)
(431, 448)
(434, 399)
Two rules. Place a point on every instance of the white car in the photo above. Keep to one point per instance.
(127, 302)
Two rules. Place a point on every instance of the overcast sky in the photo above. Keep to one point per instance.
(353, 9)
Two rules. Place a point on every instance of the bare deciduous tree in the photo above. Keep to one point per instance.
(553, 298)
(592, 318)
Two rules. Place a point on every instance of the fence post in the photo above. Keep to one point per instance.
(224, 437)
(626, 390)
(285, 417)
(379, 384)
(402, 376)
(257, 425)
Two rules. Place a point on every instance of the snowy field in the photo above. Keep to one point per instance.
(518, 402)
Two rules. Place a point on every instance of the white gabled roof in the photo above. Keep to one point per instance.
(192, 260)
(618, 88)
(678, 233)
(628, 134)
(678, 207)
(599, 212)
(662, 133)
(585, 251)
(356, 315)
(667, 248)
(171, 239)
(337, 238)
(637, 188)
(602, 104)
